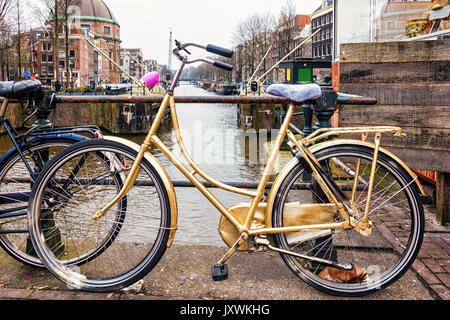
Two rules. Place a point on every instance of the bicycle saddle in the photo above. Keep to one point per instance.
(21, 90)
(296, 92)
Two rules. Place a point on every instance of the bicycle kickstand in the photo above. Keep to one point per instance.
(219, 271)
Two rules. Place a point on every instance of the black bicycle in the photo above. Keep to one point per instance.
(20, 166)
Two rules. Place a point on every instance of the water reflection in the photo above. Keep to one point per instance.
(216, 143)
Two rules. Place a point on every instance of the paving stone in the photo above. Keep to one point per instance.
(445, 278)
(14, 294)
(425, 273)
(441, 291)
(433, 265)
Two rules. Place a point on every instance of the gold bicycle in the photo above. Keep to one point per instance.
(345, 214)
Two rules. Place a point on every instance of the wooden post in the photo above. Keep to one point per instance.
(443, 197)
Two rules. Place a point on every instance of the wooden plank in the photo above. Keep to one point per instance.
(413, 94)
(397, 115)
(401, 51)
(422, 159)
(418, 139)
(395, 72)
(443, 197)
(421, 139)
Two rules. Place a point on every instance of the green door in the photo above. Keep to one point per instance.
(304, 75)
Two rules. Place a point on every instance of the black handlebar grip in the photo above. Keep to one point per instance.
(227, 53)
(223, 66)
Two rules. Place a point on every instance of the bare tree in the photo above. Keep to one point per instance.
(6, 50)
(65, 8)
(285, 29)
(47, 14)
(5, 6)
(6, 43)
(19, 38)
(53, 16)
(252, 38)
(267, 24)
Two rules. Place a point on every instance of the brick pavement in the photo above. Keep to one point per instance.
(433, 263)
(432, 267)
(46, 295)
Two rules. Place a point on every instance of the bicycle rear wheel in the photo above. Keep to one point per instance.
(380, 257)
(125, 243)
(15, 188)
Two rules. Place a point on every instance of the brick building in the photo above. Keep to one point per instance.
(322, 19)
(132, 61)
(94, 25)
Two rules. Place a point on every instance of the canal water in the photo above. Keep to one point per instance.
(217, 144)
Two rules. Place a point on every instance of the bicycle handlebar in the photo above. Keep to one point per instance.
(222, 65)
(227, 53)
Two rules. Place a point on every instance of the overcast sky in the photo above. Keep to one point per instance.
(146, 24)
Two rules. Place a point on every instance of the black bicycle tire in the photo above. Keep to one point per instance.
(61, 271)
(8, 163)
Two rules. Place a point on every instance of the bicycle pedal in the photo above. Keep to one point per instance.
(219, 272)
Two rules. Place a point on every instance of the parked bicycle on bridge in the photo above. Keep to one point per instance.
(346, 232)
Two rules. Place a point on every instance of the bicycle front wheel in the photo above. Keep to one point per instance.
(115, 250)
(380, 256)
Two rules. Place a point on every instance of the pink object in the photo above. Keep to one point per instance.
(151, 79)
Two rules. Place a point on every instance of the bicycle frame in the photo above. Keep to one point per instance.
(344, 206)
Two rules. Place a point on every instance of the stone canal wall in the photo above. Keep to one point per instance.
(116, 118)
(264, 117)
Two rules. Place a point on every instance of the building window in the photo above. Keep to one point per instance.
(329, 48)
(71, 53)
(44, 58)
(50, 70)
(61, 42)
(43, 70)
(107, 30)
(62, 54)
(50, 58)
(62, 64)
(49, 46)
(72, 42)
(44, 46)
(85, 28)
(324, 50)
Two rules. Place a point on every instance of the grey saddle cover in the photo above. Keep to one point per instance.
(296, 92)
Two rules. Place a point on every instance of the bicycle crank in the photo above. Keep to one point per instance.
(265, 242)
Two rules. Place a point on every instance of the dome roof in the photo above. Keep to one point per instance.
(95, 9)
